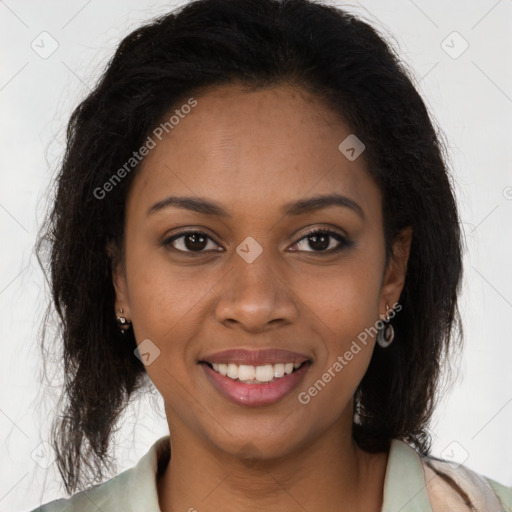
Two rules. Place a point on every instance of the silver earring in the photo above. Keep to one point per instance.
(122, 322)
(386, 335)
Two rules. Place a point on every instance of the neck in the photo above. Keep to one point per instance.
(331, 474)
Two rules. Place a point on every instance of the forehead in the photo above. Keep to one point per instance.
(247, 149)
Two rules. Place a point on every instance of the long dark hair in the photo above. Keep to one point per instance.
(258, 43)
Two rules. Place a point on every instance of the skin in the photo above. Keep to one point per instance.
(252, 152)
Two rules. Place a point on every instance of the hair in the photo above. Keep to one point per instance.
(257, 43)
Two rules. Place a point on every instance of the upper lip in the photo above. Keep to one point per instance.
(255, 357)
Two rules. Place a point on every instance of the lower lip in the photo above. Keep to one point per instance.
(255, 395)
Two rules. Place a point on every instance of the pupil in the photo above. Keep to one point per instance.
(318, 246)
(195, 242)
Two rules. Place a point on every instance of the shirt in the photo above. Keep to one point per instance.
(413, 483)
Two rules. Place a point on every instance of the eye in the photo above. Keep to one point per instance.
(323, 241)
(190, 241)
(318, 240)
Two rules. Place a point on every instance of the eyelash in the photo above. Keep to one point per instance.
(341, 239)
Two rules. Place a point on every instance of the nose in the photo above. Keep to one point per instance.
(256, 296)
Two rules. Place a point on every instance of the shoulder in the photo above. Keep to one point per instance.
(133, 489)
(98, 497)
(415, 482)
(459, 486)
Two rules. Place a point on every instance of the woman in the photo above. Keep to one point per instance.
(254, 214)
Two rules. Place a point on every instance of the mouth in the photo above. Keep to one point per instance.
(272, 375)
(249, 374)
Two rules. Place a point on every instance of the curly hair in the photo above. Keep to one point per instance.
(258, 43)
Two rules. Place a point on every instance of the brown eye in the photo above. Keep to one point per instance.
(323, 241)
(190, 241)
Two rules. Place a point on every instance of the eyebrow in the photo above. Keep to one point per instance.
(294, 208)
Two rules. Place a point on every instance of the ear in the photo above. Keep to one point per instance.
(119, 280)
(394, 277)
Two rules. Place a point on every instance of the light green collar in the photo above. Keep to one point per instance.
(404, 485)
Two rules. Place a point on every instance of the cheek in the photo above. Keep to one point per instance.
(166, 306)
(344, 307)
(345, 300)
(162, 295)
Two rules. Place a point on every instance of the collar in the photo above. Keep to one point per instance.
(404, 483)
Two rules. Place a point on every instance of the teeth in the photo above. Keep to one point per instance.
(255, 374)
(232, 371)
(246, 372)
(264, 373)
(278, 370)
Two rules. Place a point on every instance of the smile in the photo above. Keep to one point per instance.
(255, 378)
(249, 374)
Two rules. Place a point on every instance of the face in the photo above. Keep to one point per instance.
(250, 275)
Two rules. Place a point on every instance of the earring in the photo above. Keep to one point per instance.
(122, 322)
(386, 335)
